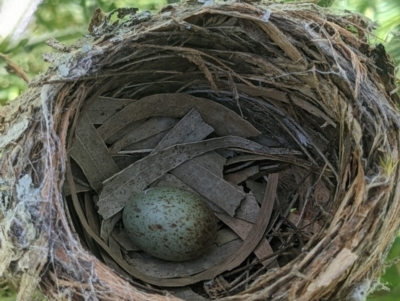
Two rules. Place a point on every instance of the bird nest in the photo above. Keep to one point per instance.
(282, 117)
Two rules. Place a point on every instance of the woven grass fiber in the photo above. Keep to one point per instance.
(302, 75)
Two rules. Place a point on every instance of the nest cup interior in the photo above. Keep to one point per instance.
(231, 129)
(247, 114)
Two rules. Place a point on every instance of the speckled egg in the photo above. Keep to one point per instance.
(170, 223)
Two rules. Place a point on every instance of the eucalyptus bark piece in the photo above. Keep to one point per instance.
(105, 107)
(92, 155)
(190, 128)
(223, 120)
(151, 127)
(122, 186)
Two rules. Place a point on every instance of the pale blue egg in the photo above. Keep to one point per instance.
(170, 223)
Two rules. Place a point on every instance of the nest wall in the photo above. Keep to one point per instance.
(304, 75)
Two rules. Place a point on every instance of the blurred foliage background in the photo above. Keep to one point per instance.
(25, 25)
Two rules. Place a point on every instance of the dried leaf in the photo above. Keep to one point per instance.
(244, 158)
(114, 246)
(154, 267)
(105, 107)
(190, 128)
(121, 237)
(196, 173)
(111, 262)
(185, 293)
(229, 263)
(249, 213)
(107, 225)
(253, 238)
(90, 235)
(135, 178)
(151, 127)
(243, 228)
(266, 141)
(248, 209)
(79, 188)
(91, 215)
(223, 120)
(169, 180)
(223, 194)
(90, 152)
(148, 143)
(213, 162)
(126, 129)
(224, 236)
(257, 189)
(124, 161)
(79, 176)
(242, 175)
(238, 167)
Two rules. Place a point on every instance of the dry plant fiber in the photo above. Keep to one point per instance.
(300, 73)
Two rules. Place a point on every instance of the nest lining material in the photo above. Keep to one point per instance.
(302, 75)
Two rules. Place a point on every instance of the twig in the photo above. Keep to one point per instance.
(257, 261)
(247, 279)
(11, 65)
(236, 281)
